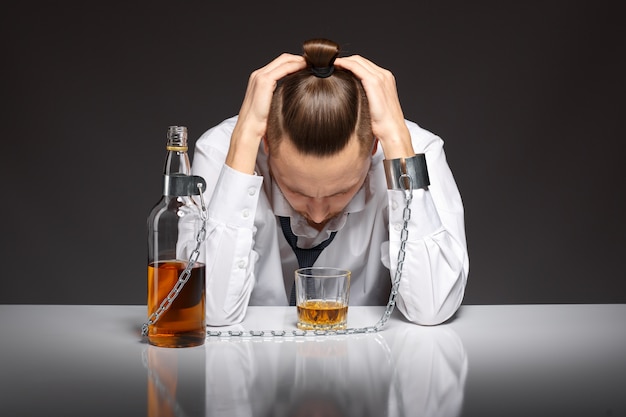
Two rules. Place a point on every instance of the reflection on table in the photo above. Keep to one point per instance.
(357, 375)
(533, 360)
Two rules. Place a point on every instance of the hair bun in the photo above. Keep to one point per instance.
(320, 55)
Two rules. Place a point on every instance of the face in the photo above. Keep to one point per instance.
(319, 188)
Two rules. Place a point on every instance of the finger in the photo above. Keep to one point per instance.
(376, 80)
(359, 66)
(265, 78)
(283, 65)
(262, 83)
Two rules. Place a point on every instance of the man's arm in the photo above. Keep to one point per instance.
(436, 262)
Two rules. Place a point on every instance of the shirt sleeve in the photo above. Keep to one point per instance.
(232, 199)
(436, 263)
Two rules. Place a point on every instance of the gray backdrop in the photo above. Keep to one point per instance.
(528, 96)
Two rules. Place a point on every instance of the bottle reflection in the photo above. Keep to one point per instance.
(421, 371)
(176, 381)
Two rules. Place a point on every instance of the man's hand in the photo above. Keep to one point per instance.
(388, 123)
(253, 115)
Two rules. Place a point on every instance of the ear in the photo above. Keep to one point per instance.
(375, 146)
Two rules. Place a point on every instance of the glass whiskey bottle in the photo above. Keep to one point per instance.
(173, 224)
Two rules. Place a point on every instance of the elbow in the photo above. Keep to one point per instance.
(222, 313)
(219, 317)
(434, 318)
(432, 310)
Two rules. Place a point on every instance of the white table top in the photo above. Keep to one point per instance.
(521, 360)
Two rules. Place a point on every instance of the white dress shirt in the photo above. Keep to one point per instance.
(249, 261)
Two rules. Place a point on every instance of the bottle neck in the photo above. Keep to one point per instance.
(177, 167)
(177, 161)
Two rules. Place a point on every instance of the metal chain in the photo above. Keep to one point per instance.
(391, 303)
(185, 274)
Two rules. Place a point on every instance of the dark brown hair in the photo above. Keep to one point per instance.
(319, 115)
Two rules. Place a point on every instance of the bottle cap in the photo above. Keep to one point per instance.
(177, 138)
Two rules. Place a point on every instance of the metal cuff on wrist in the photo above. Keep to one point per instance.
(399, 170)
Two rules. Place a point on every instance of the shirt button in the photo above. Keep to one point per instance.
(251, 191)
(241, 264)
(394, 205)
(398, 227)
(245, 213)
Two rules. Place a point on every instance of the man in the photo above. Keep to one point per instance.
(300, 177)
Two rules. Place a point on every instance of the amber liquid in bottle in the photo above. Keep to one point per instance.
(173, 225)
(322, 315)
(183, 324)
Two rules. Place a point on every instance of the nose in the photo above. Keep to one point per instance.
(318, 209)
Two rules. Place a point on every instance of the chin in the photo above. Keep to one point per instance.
(317, 225)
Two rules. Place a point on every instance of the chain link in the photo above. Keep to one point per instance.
(391, 303)
(184, 275)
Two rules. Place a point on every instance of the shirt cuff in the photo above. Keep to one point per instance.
(235, 198)
(424, 220)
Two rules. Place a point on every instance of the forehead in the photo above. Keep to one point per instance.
(318, 176)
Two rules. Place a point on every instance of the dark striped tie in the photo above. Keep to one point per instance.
(306, 257)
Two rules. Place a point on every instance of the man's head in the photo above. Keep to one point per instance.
(319, 136)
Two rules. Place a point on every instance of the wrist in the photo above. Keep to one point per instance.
(244, 146)
(396, 142)
(242, 155)
(407, 173)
